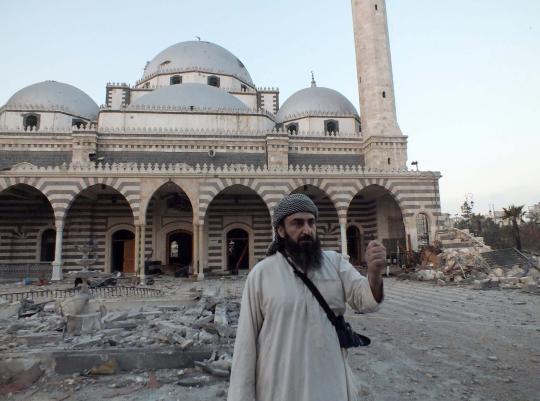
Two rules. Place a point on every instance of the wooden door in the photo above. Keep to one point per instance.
(129, 256)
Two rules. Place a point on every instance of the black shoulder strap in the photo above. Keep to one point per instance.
(309, 284)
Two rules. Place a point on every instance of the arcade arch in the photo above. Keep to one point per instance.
(169, 229)
(376, 212)
(93, 215)
(236, 207)
(25, 213)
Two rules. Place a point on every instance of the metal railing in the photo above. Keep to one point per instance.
(100, 292)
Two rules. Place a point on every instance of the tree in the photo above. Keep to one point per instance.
(466, 210)
(515, 215)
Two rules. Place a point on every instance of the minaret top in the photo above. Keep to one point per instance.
(374, 69)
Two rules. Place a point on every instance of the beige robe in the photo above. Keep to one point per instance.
(286, 349)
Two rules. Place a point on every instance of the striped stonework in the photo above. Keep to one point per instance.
(381, 205)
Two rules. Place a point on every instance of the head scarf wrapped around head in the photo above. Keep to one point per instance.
(290, 204)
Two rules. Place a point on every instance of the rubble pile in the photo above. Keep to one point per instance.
(467, 266)
(209, 321)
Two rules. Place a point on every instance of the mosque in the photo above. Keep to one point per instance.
(185, 166)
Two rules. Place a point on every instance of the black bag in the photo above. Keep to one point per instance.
(347, 336)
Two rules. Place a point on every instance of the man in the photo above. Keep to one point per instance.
(286, 348)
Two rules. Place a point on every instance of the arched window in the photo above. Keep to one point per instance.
(331, 127)
(244, 88)
(31, 122)
(422, 230)
(77, 122)
(292, 128)
(48, 240)
(175, 80)
(213, 81)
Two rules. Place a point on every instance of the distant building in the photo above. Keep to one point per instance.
(534, 210)
(185, 166)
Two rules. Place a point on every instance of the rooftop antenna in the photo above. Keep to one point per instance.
(198, 37)
(313, 83)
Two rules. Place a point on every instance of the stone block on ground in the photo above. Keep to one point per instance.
(220, 315)
(83, 324)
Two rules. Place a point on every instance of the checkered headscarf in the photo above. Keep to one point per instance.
(294, 203)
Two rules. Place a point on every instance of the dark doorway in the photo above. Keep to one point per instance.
(180, 248)
(354, 245)
(123, 251)
(48, 240)
(237, 250)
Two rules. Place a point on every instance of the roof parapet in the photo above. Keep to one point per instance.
(240, 169)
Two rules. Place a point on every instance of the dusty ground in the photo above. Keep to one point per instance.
(429, 343)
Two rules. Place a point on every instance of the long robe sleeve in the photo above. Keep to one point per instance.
(243, 371)
(357, 290)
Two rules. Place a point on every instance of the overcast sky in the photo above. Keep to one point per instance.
(467, 73)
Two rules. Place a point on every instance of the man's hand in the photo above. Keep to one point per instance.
(376, 262)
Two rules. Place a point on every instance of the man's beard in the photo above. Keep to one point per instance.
(306, 253)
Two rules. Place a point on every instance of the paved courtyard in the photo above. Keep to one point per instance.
(429, 343)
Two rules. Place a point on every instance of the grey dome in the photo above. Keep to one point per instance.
(315, 101)
(54, 96)
(198, 55)
(199, 96)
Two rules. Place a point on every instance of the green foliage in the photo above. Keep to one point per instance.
(515, 215)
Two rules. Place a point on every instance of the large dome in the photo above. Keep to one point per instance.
(198, 55)
(54, 96)
(315, 101)
(197, 96)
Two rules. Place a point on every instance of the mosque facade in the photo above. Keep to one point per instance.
(185, 166)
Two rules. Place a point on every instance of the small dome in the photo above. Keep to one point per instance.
(54, 96)
(199, 96)
(201, 56)
(315, 101)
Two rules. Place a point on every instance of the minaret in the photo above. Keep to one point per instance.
(376, 86)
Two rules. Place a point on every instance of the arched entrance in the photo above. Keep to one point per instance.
(123, 251)
(375, 210)
(169, 226)
(25, 214)
(179, 248)
(354, 245)
(96, 215)
(237, 250)
(236, 207)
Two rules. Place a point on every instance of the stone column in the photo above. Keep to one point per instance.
(137, 249)
(57, 263)
(343, 232)
(142, 252)
(195, 250)
(200, 272)
(410, 230)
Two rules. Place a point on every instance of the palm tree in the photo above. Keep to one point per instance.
(515, 215)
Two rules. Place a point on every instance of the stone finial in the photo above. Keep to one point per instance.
(313, 83)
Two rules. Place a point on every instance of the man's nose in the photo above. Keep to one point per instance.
(306, 228)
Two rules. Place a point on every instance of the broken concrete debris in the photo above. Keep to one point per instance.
(468, 266)
(207, 320)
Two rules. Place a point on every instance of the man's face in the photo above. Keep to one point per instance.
(299, 227)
